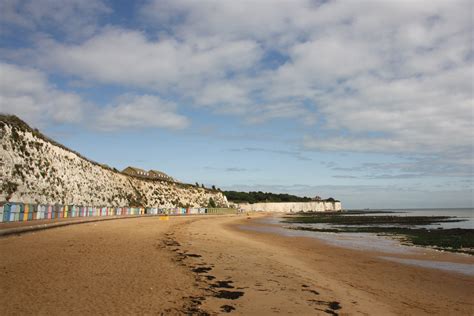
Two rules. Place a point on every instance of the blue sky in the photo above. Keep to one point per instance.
(370, 102)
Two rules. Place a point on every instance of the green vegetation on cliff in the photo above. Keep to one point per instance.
(256, 197)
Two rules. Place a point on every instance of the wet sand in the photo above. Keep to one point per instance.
(207, 265)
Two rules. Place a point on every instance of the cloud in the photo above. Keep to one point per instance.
(140, 111)
(70, 18)
(383, 76)
(447, 165)
(367, 76)
(263, 20)
(294, 154)
(129, 58)
(231, 169)
(27, 93)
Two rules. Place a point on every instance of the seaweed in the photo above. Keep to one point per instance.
(453, 239)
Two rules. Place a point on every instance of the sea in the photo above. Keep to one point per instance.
(383, 244)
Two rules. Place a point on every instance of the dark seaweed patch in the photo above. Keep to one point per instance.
(193, 255)
(229, 294)
(202, 269)
(227, 308)
(223, 284)
(332, 305)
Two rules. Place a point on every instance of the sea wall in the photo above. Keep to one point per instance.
(319, 206)
(37, 170)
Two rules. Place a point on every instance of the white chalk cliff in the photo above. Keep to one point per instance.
(35, 169)
(287, 207)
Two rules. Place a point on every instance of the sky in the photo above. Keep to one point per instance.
(369, 102)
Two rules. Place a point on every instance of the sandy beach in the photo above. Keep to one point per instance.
(209, 266)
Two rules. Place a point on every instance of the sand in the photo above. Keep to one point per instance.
(207, 265)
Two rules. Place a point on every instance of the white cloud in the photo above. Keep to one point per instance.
(28, 94)
(384, 76)
(264, 20)
(74, 18)
(133, 111)
(127, 57)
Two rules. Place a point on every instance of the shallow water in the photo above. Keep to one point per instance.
(361, 241)
(463, 268)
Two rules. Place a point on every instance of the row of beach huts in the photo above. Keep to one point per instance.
(17, 212)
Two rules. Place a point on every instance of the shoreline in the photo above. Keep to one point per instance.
(208, 266)
(383, 245)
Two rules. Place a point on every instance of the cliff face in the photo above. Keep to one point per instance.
(35, 169)
(322, 206)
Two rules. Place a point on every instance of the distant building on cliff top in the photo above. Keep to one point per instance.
(152, 174)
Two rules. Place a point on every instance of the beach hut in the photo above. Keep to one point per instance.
(21, 216)
(37, 212)
(1, 212)
(56, 212)
(49, 213)
(32, 212)
(11, 214)
(26, 210)
(16, 212)
(44, 210)
(40, 212)
(6, 212)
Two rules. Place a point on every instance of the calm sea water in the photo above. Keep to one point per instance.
(466, 214)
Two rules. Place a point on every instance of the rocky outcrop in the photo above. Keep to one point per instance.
(287, 207)
(35, 169)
